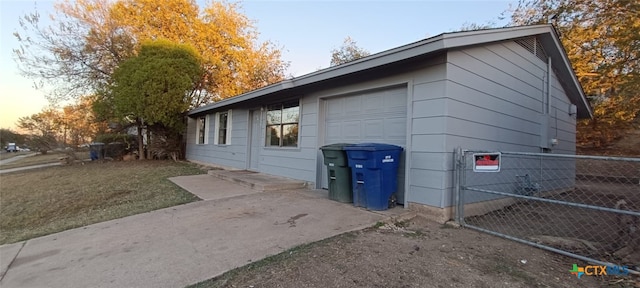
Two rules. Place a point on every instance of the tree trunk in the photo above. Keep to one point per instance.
(149, 144)
(140, 141)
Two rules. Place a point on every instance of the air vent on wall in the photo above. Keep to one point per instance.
(533, 45)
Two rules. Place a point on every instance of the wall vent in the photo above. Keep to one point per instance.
(533, 45)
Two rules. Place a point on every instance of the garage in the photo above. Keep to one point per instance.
(479, 90)
(378, 116)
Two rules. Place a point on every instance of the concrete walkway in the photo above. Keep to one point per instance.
(18, 169)
(16, 158)
(181, 245)
(25, 168)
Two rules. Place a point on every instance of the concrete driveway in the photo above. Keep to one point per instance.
(181, 245)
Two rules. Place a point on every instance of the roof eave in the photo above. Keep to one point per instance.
(441, 42)
(390, 56)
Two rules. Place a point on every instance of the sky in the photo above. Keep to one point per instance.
(306, 31)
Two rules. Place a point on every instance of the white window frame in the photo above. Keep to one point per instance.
(280, 146)
(206, 130)
(228, 128)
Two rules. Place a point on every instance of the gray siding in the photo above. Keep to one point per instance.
(495, 102)
(495, 97)
(479, 98)
(427, 174)
(300, 162)
(564, 126)
(234, 155)
(426, 98)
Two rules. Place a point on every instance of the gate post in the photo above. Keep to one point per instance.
(458, 167)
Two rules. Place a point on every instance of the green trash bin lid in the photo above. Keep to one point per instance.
(335, 147)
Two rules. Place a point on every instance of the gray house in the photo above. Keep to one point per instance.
(509, 89)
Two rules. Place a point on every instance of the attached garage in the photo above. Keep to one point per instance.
(378, 116)
(478, 90)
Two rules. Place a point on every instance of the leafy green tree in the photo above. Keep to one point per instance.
(602, 40)
(349, 51)
(233, 60)
(153, 87)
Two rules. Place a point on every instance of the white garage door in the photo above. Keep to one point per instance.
(377, 116)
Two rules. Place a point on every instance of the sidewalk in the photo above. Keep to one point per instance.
(16, 158)
(17, 169)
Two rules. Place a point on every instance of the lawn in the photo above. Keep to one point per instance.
(51, 157)
(41, 202)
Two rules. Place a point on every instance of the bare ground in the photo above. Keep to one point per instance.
(415, 253)
(420, 253)
(627, 145)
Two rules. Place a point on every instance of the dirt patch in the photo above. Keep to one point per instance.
(609, 171)
(417, 253)
(588, 232)
(627, 145)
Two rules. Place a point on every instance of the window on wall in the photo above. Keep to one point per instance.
(201, 133)
(223, 128)
(282, 124)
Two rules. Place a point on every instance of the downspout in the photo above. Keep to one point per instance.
(548, 111)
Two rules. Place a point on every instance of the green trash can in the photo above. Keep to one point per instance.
(338, 172)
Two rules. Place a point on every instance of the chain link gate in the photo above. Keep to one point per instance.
(585, 207)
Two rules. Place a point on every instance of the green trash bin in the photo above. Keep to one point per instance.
(338, 172)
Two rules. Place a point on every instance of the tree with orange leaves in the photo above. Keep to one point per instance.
(602, 40)
(88, 39)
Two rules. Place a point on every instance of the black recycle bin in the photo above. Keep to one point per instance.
(374, 171)
(339, 174)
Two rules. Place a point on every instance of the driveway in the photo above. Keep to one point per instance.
(181, 245)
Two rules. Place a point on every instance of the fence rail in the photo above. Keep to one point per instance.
(586, 207)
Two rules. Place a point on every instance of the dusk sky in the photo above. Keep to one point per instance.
(307, 31)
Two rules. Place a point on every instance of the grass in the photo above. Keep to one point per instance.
(41, 202)
(414, 234)
(51, 157)
(4, 156)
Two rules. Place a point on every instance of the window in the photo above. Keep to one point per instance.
(282, 124)
(201, 133)
(223, 128)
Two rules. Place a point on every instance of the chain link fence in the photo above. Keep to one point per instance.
(586, 207)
